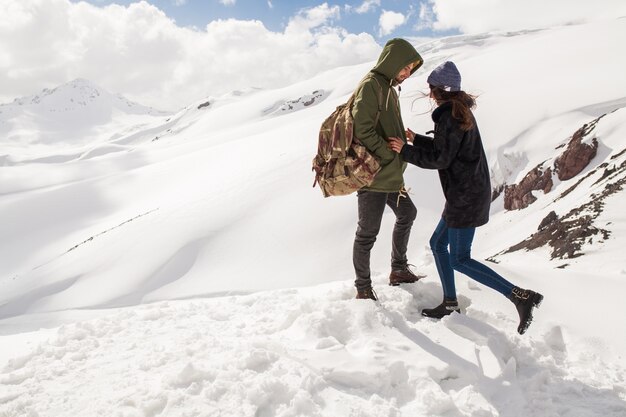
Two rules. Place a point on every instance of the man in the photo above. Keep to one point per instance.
(376, 114)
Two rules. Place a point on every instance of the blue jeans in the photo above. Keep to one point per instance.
(459, 259)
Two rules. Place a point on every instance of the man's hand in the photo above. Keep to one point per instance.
(395, 144)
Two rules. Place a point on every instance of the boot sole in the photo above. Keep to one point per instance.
(438, 317)
(537, 300)
(395, 284)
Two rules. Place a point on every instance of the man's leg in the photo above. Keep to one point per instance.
(371, 208)
(405, 212)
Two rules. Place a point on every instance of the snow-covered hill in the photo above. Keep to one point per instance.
(73, 115)
(216, 202)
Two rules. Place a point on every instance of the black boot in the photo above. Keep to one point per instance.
(366, 293)
(524, 301)
(447, 307)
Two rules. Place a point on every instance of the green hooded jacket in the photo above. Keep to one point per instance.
(396, 55)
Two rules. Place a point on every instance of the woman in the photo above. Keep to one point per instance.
(457, 152)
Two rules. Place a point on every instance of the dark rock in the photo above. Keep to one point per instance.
(495, 193)
(567, 234)
(548, 220)
(608, 171)
(573, 187)
(577, 155)
(519, 196)
(207, 104)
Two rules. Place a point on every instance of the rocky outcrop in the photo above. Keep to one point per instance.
(567, 165)
(300, 103)
(578, 154)
(567, 234)
(520, 195)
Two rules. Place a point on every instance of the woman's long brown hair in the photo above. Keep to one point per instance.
(462, 104)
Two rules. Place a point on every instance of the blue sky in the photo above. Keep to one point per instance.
(275, 14)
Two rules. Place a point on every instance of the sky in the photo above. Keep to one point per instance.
(171, 53)
(383, 19)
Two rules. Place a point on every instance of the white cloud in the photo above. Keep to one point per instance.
(390, 21)
(138, 51)
(426, 17)
(474, 16)
(314, 17)
(228, 2)
(180, 2)
(270, 4)
(366, 6)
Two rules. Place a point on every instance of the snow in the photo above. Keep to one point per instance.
(182, 265)
(311, 351)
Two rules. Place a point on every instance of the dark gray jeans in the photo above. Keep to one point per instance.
(371, 207)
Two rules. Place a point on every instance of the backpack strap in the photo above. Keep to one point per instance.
(380, 100)
(379, 94)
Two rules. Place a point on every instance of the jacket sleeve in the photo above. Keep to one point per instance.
(422, 141)
(439, 152)
(364, 112)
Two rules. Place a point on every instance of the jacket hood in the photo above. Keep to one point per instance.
(397, 54)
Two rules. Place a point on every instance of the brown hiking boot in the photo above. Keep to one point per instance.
(403, 276)
(366, 293)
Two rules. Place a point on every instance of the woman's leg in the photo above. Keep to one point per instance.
(461, 260)
(439, 246)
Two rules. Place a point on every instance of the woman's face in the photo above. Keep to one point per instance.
(431, 95)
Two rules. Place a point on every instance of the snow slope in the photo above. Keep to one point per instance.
(214, 202)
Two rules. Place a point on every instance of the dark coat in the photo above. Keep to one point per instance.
(460, 158)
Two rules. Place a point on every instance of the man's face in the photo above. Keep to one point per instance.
(404, 73)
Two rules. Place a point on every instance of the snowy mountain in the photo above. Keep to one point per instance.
(78, 113)
(193, 270)
(76, 95)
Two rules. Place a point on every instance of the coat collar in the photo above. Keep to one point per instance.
(439, 111)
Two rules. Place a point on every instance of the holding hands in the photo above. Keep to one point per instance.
(395, 144)
(410, 135)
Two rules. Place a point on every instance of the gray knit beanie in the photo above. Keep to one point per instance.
(446, 76)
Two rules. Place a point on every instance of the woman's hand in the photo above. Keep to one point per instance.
(395, 144)
(410, 135)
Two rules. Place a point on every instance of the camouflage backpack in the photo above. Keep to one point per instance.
(342, 164)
